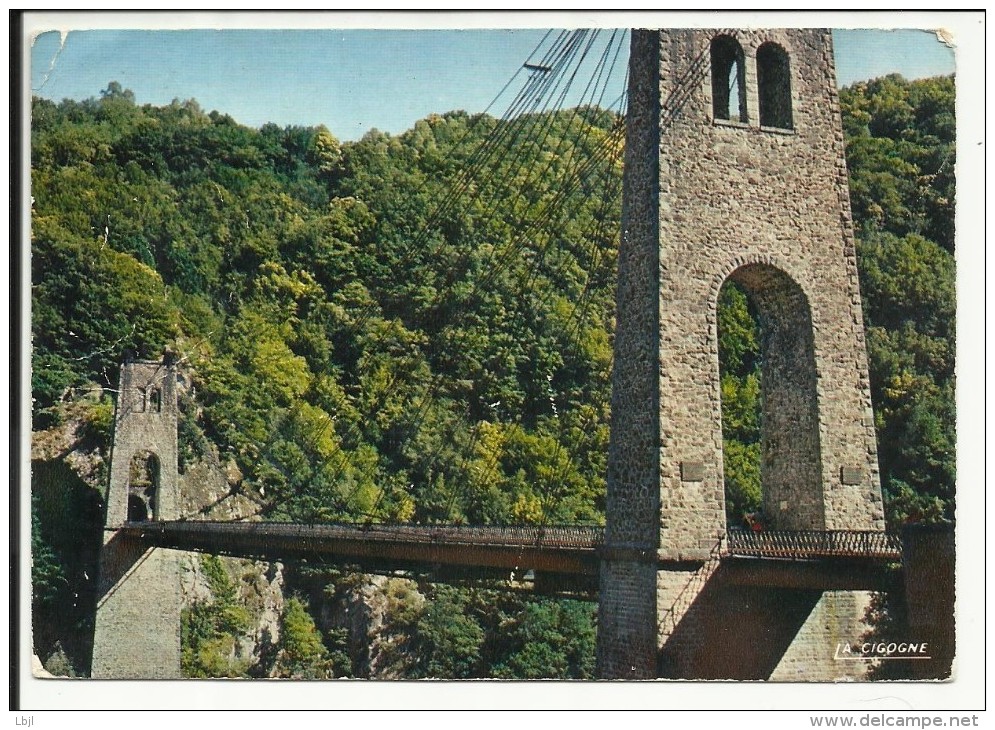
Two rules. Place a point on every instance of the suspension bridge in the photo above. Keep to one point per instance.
(722, 131)
(541, 553)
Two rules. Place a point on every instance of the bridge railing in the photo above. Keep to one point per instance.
(800, 544)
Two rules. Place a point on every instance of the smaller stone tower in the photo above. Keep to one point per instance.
(137, 629)
(144, 462)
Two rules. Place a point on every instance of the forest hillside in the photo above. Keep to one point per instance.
(369, 334)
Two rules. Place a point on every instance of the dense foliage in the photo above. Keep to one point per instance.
(212, 628)
(302, 653)
(475, 631)
(901, 156)
(374, 335)
(360, 354)
(64, 550)
(739, 373)
(472, 633)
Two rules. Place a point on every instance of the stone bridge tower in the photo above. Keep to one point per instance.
(137, 630)
(734, 170)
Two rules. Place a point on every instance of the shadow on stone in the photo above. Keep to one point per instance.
(121, 555)
(735, 631)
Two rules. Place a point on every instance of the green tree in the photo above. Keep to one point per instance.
(908, 286)
(210, 630)
(446, 639)
(48, 575)
(67, 518)
(301, 651)
(901, 156)
(549, 640)
(900, 153)
(739, 367)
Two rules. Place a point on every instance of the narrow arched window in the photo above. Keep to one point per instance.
(728, 80)
(774, 86)
(155, 400)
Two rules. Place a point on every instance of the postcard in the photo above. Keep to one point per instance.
(623, 351)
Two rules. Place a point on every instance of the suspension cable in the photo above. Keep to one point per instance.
(510, 132)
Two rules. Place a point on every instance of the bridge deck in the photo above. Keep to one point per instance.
(551, 550)
(569, 550)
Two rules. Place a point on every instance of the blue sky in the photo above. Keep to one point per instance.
(354, 80)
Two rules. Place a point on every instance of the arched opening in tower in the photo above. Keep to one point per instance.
(155, 400)
(143, 486)
(772, 460)
(728, 80)
(774, 86)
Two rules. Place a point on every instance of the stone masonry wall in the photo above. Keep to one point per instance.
(705, 201)
(137, 627)
(768, 208)
(626, 600)
(814, 654)
(714, 629)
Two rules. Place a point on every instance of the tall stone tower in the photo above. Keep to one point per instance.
(137, 630)
(734, 171)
